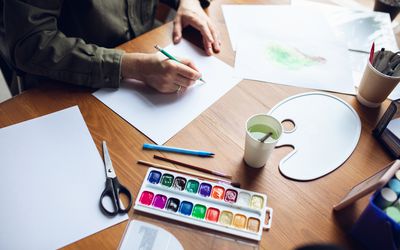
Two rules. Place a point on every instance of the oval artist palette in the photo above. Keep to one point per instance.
(206, 204)
(327, 130)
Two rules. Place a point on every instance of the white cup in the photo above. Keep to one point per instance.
(375, 86)
(256, 153)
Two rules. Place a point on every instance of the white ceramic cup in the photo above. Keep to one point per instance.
(256, 153)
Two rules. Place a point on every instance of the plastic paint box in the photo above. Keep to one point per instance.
(375, 230)
(203, 203)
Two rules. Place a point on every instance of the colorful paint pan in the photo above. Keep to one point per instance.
(167, 180)
(172, 204)
(202, 203)
(192, 186)
(199, 211)
(186, 207)
(218, 192)
(154, 177)
(239, 221)
(226, 218)
(257, 202)
(179, 183)
(212, 214)
(244, 199)
(231, 195)
(205, 189)
(146, 198)
(253, 224)
(159, 201)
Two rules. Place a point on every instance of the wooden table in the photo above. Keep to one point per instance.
(302, 210)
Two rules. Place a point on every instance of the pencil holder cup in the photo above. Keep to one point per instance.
(375, 87)
(256, 152)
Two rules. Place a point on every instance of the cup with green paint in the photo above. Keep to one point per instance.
(262, 134)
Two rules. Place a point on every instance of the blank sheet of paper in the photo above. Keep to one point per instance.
(52, 179)
(253, 22)
(161, 116)
(358, 28)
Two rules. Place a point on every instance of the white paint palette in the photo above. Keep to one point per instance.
(326, 132)
(206, 204)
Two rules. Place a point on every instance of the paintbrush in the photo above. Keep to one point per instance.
(204, 170)
(201, 176)
(262, 139)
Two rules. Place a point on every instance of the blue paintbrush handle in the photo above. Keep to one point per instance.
(177, 150)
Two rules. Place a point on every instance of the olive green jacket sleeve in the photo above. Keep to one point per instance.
(36, 46)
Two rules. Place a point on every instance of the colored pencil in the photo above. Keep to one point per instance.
(201, 176)
(204, 170)
(371, 53)
(165, 53)
(177, 150)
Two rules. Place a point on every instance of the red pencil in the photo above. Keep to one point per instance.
(371, 53)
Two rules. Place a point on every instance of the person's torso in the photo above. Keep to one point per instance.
(107, 23)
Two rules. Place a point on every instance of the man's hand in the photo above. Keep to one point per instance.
(164, 75)
(191, 13)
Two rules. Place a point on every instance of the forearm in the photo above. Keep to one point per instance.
(68, 60)
(131, 65)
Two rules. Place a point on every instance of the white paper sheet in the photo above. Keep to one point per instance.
(252, 27)
(296, 62)
(52, 179)
(253, 22)
(358, 28)
(161, 116)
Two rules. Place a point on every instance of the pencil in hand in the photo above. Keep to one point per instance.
(172, 57)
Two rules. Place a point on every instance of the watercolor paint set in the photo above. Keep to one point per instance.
(203, 203)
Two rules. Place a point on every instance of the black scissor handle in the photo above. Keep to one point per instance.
(120, 189)
(109, 192)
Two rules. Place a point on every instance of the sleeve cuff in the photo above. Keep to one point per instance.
(106, 71)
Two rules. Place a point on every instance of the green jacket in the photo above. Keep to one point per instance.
(72, 41)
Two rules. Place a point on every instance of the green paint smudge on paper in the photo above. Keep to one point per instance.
(291, 58)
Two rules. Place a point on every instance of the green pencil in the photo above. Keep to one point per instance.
(171, 57)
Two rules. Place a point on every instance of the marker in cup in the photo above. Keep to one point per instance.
(262, 134)
(393, 213)
(394, 184)
(397, 175)
(385, 198)
(375, 86)
(397, 204)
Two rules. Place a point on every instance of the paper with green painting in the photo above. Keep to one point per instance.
(292, 61)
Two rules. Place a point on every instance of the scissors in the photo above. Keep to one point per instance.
(113, 188)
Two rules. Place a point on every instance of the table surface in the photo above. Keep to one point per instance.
(302, 210)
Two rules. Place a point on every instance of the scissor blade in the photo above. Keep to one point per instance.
(107, 162)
